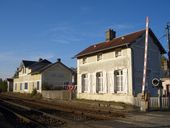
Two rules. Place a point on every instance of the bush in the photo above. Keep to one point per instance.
(34, 92)
(3, 86)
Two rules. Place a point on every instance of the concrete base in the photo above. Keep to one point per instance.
(125, 98)
(144, 105)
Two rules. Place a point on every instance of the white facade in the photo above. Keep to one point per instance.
(116, 75)
(106, 78)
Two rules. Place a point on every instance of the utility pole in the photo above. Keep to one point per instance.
(168, 41)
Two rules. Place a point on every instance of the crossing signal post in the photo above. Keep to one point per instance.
(168, 41)
(144, 97)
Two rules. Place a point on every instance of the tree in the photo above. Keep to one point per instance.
(3, 85)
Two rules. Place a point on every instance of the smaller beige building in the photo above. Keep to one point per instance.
(42, 75)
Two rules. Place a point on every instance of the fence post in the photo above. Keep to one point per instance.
(169, 102)
(160, 98)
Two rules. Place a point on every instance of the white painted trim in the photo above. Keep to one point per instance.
(26, 90)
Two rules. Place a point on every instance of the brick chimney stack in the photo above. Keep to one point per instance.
(110, 34)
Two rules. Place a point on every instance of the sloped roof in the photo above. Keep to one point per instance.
(118, 42)
(39, 65)
(28, 63)
(40, 70)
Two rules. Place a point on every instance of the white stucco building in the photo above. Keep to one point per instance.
(112, 70)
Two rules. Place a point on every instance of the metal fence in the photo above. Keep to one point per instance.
(155, 103)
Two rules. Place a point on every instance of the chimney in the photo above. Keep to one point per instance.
(110, 34)
(58, 60)
(40, 59)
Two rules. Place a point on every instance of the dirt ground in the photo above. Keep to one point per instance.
(4, 123)
(132, 120)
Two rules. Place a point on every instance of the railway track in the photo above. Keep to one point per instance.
(50, 114)
(76, 111)
(25, 117)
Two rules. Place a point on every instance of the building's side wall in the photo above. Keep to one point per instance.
(30, 79)
(107, 65)
(153, 67)
(57, 75)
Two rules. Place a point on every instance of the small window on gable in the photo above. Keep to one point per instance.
(118, 53)
(99, 57)
(84, 60)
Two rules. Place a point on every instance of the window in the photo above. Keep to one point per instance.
(118, 53)
(26, 86)
(118, 74)
(84, 60)
(84, 83)
(20, 86)
(23, 70)
(99, 57)
(16, 86)
(99, 82)
(38, 85)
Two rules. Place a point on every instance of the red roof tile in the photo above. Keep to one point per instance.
(117, 42)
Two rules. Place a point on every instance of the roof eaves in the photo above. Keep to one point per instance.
(101, 50)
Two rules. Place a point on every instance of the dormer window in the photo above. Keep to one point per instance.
(84, 60)
(23, 70)
(118, 53)
(99, 57)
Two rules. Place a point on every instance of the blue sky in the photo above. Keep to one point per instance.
(51, 29)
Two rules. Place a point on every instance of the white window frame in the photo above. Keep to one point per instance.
(99, 82)
(84, 60)
(15, 88)
(119, 87)
(99, 57)
(84, 79)
(24, 86)
(21, 87)
(37, 85)
(118, 52)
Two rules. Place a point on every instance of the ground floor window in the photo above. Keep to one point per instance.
(38, 85)
(99, 82)
(118, 75)
(26, 86)
(84, 83)
(15, 86)
(20, 86)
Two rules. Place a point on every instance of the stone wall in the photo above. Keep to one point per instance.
(57, 94)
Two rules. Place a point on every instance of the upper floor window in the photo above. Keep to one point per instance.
(118, 53)
(84, 60)
(99, 57)
(23, 70)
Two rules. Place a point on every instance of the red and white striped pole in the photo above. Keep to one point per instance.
(145, 57)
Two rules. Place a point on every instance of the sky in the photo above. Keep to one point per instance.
(51, 29)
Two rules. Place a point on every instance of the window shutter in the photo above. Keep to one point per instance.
(104, 83)
(111, 86)
(89, 83)
(79, 85)
(125, 75)
(94, 82)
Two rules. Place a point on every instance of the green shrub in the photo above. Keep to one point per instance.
(34, 92)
